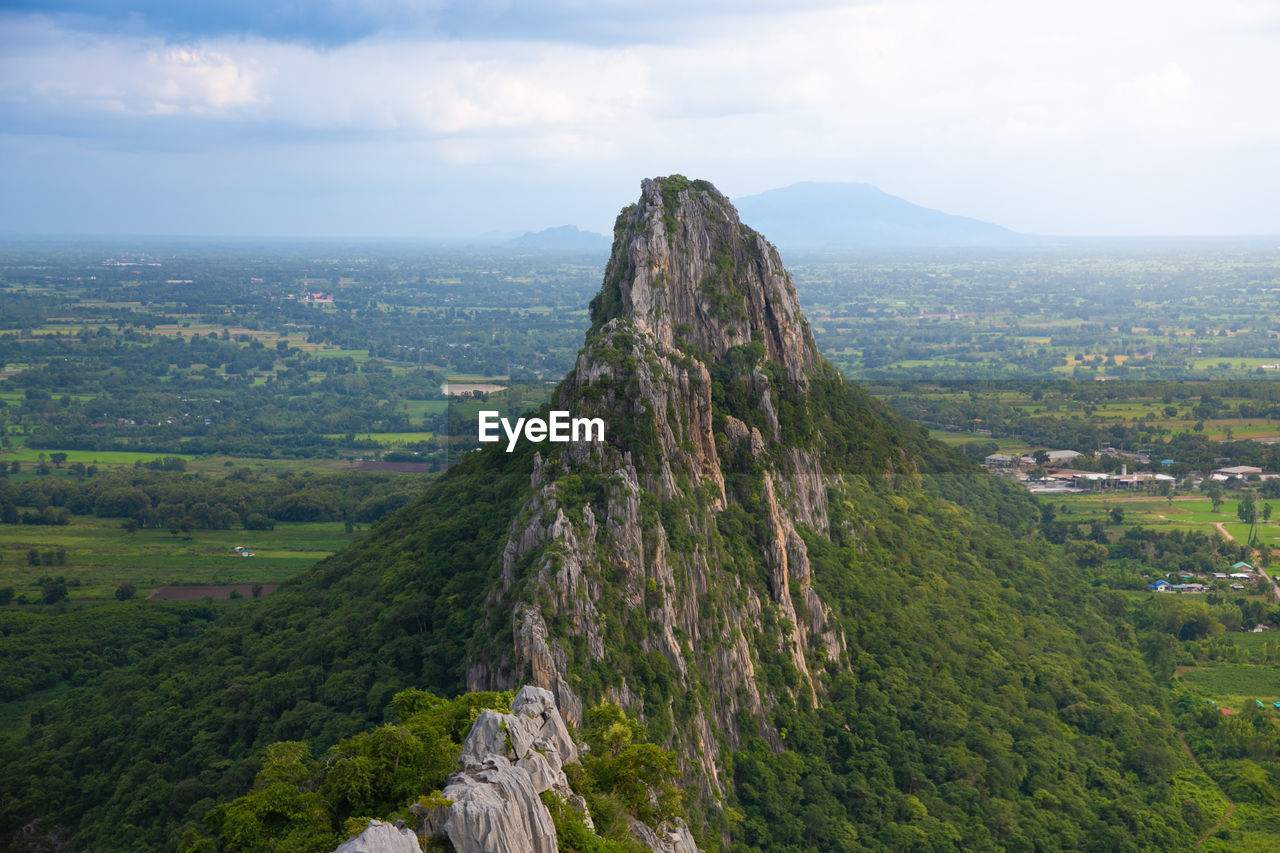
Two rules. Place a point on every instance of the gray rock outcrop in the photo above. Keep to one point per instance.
(507, 761)
(496, 808)
(382, 837)
(672, 838)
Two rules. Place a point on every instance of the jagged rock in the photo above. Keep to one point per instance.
(672, 249)
(381, 837)
(496, 809)
(533, 737)
(508, 760)
(670, 838)
(537, 708)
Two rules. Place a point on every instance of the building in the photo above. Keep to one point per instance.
(999, 460)
(1237, 472)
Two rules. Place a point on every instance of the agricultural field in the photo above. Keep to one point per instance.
(1234, 685)
(98, 555)
(251, 414)
(1188, 310)
(1181, 512)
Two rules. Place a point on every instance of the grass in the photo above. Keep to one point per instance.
(1234, 685)
(112, 458)
(101, 555)
(390, 439)
(217, 464)
(1183, 512)
(417, 408)
(1252, 830)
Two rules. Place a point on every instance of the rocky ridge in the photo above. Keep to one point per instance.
(695, 308)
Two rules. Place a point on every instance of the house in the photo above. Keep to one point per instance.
(1052, 457)
(1242, 576)
(1237, 586)
(1160, 586)
(999, 460)
(1237, 472)
(1242, 567)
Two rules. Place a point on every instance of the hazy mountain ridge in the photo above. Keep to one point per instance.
(563, 238)
(834, 216)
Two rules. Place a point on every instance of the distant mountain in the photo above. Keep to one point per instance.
(859, 216)
(564, 238)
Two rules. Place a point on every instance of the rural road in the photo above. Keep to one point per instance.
(1275, 587)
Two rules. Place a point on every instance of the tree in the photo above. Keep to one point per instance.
(1214, 491)
(1247, 511)
(53, 590)
(126, 591)
(57, 458)
(1087, 554)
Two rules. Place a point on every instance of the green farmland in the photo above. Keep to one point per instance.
(102, 555)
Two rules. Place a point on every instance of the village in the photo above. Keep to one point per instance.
(1047, 472)
(1241, 576)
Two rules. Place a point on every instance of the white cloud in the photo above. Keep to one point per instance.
(54, 70)
(1011, 111)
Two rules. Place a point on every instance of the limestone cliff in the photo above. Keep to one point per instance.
(493, 804)
(663, 567)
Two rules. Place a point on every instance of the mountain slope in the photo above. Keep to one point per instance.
(835, 216)
(563, 238)
(850, 636)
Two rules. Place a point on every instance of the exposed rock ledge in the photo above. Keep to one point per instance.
(382, 838)
(507, 761)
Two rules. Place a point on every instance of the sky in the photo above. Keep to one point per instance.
(455, 118)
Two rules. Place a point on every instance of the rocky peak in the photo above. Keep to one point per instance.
(685, 267)
(619, 580)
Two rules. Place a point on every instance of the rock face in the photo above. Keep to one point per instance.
(507, 761)
(687, 270)
(382, 837)
(624, 568)
(496, 808)
(674, 839)
(533, 737)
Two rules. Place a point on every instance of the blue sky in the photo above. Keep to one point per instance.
(391, 118)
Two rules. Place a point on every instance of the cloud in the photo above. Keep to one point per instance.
(1037, 117)
(331, 23)
(49, 70)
